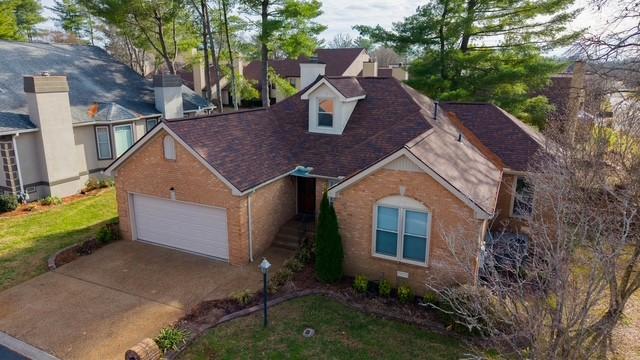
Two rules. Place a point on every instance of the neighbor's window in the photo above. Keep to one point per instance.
(169, 148)
(123, 135)
(325, 113)
(523, 200)
(103, 141)
(401, 233)
(151, 123)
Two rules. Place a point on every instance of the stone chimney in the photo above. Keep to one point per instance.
(310, 70)
(370, 68)
(198, 73)
(49, 109)
(168, 95)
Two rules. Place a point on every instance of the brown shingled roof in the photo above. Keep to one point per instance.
(337, 61)
(348, 86)
(251, 147)
(499, 132)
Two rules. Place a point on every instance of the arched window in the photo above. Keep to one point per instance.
(169, 148)
(402, 230)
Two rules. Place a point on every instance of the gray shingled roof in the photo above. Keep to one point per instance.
(94, 78)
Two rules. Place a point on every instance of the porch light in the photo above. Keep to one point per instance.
(264, 267)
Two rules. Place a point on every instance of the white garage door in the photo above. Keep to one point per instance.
(185, 226)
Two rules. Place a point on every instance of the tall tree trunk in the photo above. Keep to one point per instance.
(264, 53)
(214, 58)
(207, 76)
(234, 86)
(468, 23)
(443, 18)
(163, 46)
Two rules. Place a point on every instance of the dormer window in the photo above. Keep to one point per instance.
(325, 112)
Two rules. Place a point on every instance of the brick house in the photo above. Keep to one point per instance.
(404, 174)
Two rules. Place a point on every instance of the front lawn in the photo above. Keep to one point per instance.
(27, 241)
(341, 333)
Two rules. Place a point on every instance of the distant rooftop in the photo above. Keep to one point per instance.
(100, 87)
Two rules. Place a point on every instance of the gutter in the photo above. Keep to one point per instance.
(18, 132)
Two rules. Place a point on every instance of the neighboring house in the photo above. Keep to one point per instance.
(67, 111)
(339, 62)
(406, 176)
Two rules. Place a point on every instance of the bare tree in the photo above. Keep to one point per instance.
(341, 41)
(559, 289)
(385, 56)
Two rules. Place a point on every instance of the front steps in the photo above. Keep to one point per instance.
(292, 233)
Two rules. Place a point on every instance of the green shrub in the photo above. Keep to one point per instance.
(384, 288)
(106, 234)
(305, 254)
(242, 297)
(171, 339)
(281, 277)
(50, 200)
(105, 183)
(361, 284)
(294, 265)
(8, 203)
(405, 295)
(431, 298)
(91, 184)
(329, 253)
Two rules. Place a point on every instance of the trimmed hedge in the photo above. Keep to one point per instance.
(329, 253)
(8, 203)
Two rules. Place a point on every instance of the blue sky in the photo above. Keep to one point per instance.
(341, 15)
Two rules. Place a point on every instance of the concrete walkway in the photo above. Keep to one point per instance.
(100, 305)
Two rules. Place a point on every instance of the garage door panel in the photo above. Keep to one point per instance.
(186, 226)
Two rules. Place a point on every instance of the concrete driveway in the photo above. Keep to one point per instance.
(100, 305)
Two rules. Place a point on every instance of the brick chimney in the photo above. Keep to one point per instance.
(49, 109)
(168, 95)
(370, 68)
(310, 70)
(576, 97)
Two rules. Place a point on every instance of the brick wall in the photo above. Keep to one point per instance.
(147, 172)
(271, 206)
(503, 220)
(450, 216)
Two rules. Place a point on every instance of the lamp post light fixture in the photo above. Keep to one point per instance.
(264, 267)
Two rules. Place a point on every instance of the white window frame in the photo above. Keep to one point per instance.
(133, 137)
(100, 157)
(402, 204)
(333, 114)
(514, 194)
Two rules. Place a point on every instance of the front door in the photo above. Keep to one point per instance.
(306, 195)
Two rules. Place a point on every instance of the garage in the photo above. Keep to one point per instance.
(180, 225)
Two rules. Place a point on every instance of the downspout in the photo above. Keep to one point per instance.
(15, 152)
(250, 226)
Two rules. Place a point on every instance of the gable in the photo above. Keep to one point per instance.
(405, 160)
(403, 163)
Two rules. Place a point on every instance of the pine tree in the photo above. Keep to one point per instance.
(329, 253)
(488, 50)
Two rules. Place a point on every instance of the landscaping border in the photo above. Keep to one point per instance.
(197, 332)
(76, 250)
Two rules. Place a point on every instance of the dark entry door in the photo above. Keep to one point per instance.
(306, 195)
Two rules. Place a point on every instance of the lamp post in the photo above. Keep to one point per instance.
(264, 267)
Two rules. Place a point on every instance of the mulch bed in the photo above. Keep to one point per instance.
(72, 252)
(35, 207)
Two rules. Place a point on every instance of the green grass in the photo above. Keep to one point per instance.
(341, 333)
(27, 241)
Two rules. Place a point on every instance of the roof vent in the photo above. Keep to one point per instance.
(44, 73)
(435, 110)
